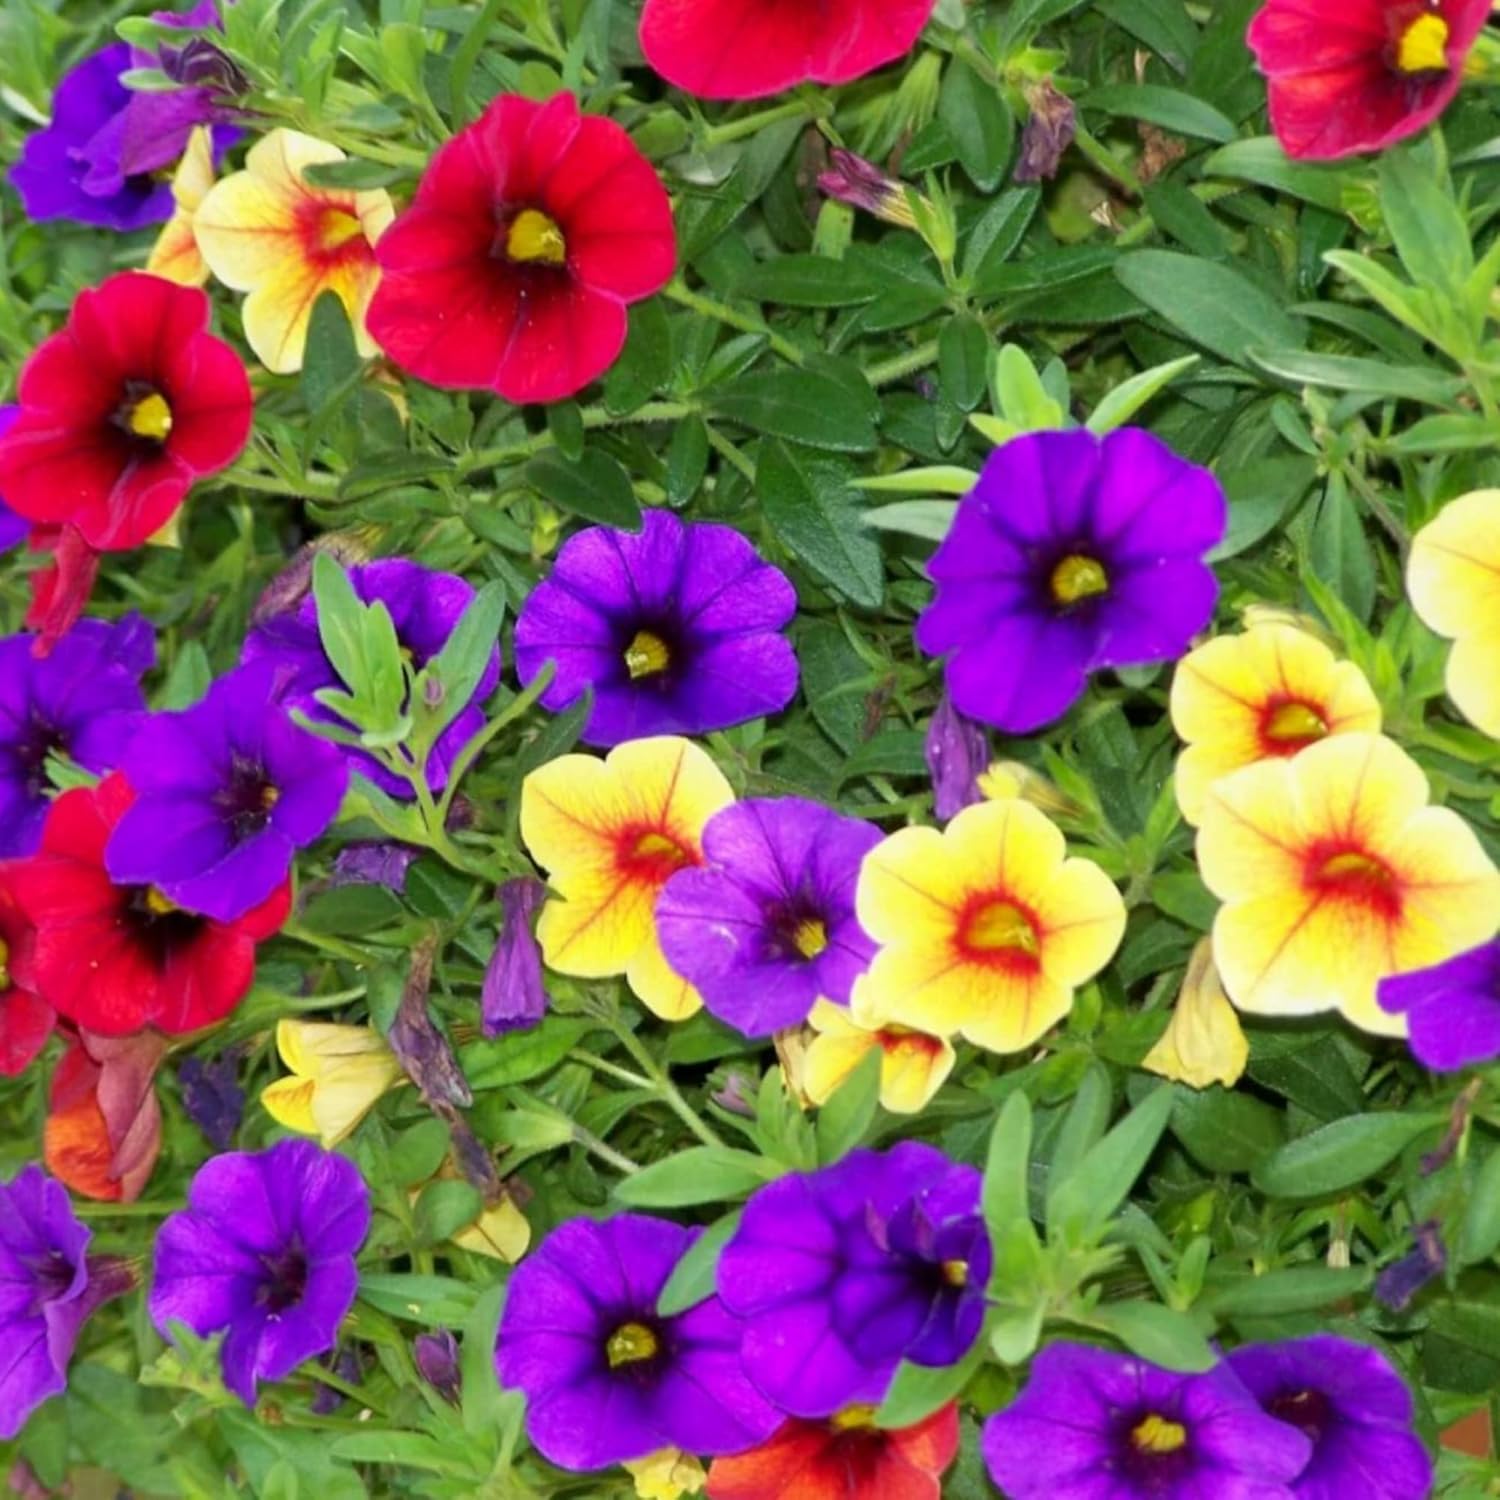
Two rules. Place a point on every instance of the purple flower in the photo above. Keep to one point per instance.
(1071, 553)
(49, 1286)
(212, 1096)
(226, 793)
(374, 863)
(853, 180)
(840, 1274)
(83, 701)
(264, 1252)
(436, 1355)
(425, 607)
(766, 925)
(1050, 128)
(13, 528)
(958, 754)
(1398, 1284)
(1452, 1009)
(606, 1377)
(1353, 1407)
(1094, 1425)
(513, 996)
(676, 629)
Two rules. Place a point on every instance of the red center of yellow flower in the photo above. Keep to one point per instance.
(853, 1419)
(899, 1041)
(535, 239)
(631, 1344)
(1155, 1434)
(1357, 876)
(1423, 46)
(647, 655)
(333, 228)
(998, 929)
(1288, 727)
(651, 855)
(1077, 578)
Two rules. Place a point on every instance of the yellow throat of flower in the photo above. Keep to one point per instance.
(1295, 724)
(534, 239)
(1077, 578)
(1423, 47)
(853, 1419)
(1155, 1434)
(150, 417)
(647, 655)
(809, 937)
(631, 1344)
(1000, 927)
(4, 965)
(955, 1272)
(336, 228)
(158, 904)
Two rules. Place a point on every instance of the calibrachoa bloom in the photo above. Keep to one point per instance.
(226, 793)
(606, 1377)
(531, 231)
(610, 833)
(1335, 873)
(1071, 553)
(1453, 577)
(175, 255)
(116, 958)
(263, 1253)
(666, 1475)
(26, 1019)
(1204, 1043)
(1353, 1406)
(513, 996)
(1452, 1010)
(1262, 695)
(840, 1274)
(986, 928)
(1090, 1424)
(1363, 76)
(675, 628)
(338, 1075)
(766, 925)
(743, 49)
(269, 232)
(914, 1065)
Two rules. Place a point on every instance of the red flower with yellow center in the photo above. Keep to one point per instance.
(25, 1020)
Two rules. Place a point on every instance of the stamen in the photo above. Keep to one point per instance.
(647, 655)
(4, 965)
(1077, 577)
(631, 1344)
(533, 237)
(336, 227)
(269, 796)
(955, 1272)
(1000, 927)
(809, 937)
(1155, 1434)
(1295, 724)
(150, 417)
(853, 1419)
(1353, 867)
(1423, 47)
(158, 904)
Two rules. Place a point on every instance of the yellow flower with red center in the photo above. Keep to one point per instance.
(1262, 695)
(986, 928)
(914, 1065)
(610, 833)
(1203, 1042)
(270, 232)
(175, 255)
(1334, 873)
(1453, 578)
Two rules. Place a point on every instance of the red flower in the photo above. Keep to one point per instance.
(530, 232)
(743, 49)
(117, 958)
(844, 1458)
(1359, 75)
(25, 1021)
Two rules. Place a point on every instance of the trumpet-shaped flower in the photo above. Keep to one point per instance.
(1453, 578)
(986, 928)
(1452, 1009)
(914, 1065)
(610, 833)
(175, 255)
(338, 1075)
(1335, 873)
(270, 232)
(1262, 695)
(1203, 1042)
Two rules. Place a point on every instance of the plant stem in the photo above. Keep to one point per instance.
(670, 1095)
(734, 130)
(1105, 161)
(593, 416)
(721, 312)
(337, 947)
(609, 1069)
(605, 1152)
(899, 365)
(142, 1208)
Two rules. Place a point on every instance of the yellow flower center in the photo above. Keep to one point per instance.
(955, 1272)
(647, 655)
(158, 904)
(631, 1344)
(533, 237)
(1354, 868)
(853, 1419)
(1423, 47)
(1154, 1434)
(336, 227)
(269, 796)
(1295, 724)
(809, 937)
(1076, 578)
(4, 965)
(150, 417)
(999, 927)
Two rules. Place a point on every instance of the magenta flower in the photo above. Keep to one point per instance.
(1452, 1009)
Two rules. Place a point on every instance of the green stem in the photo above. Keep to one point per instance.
(727, 451)
(901, 365)
(329, 944)
(670, 1095)
(605, 1152)
(609, 1069)
(142, 1208)
(721, 312)
(324, 1376)
(593, 416)
(1105, 161)
(734, 130)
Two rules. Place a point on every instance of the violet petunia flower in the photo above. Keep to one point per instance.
(212, 1096)
(1399, 1283)
(1092, 1424)
(264, 1253)
(13, 528)
(766, 925)
(49, 1286)
(957, 751)
(842, 1273)
(83, 701)
(1071, 553)
(1452, 1009)
(227, 792)
(436, 1357)
(676, 629)
(1348, 1400)
(513, 996)
(606, 1377)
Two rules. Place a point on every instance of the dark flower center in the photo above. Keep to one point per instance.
(633, 1344)
(1154, 1451)
(285, 1280)
(144, 414)
(1311, 1411)
(51, 1276)
(157, 925)
(247, 798)
(30, 750)
(647, 655)
(1421, 48)
(1076, 578)
(798, 930)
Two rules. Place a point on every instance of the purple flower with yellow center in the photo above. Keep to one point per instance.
(676, 628)
(1452, 1009)
(13, 528)
(263, 1253)
(606, 1377)
(1071, 553)
(1348, 1400)
(1094, 1425)
(841, 1274)
(226, 793)
(766, 926)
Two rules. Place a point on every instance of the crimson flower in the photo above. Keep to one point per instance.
(25, 1021)
(530, 232)
(743, 49)
(117, 958)
(1363, 74)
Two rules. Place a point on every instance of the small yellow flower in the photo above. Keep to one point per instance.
(610, 833)
(1203, 1042)
(1453, 578)
(269, 232)
(175, 255)
(1013, 778)
(501, 1232)
(914, 1064)
(666, 1474)
(339, 1073)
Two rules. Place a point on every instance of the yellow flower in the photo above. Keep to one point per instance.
(338, 1075)
(986, 928)
(1203, 1042)
(500, 1232)
(1334, 873)
(914, 1064)
(1012, 778)
(1453, 577)
(269, 232)
(1262, 695)
(666, 1474)
(609, 833)
(175, 255)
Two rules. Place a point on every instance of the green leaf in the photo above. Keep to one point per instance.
(410, 1450)
(1006, 1167)
(963, 359)
(1374, 377)
(1339, 551)
(806, 281)
(700, 1174)
(693, 1279)
(1126, 399)
(479, 1387)
(919, 1390)
(521, 1055)
(340, 621)
(463, 661)
(1295, 1289)
(645, 364)
(849, 1113)
(434, 1301)
(596, 487)
(1170, 108)
(980, 123)
(1226, 1130)
(802, 406)
(1157, 1333)
(331, 366)
(1079, 1206)
(1479, 1236)
(444, 1208)
(931, 520)
(1431, 235)
(1339, 1154)
(1262, 161)
(1082, 1129)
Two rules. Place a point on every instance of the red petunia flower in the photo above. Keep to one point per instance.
(25, 1021)
(844, 1458)
(530, 232)
(1361, 74)
(115, 959)
(744, 49)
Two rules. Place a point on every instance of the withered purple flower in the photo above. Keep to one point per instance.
(513, 996)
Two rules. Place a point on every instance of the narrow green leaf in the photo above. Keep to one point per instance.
(701, 1174)
(1295, 1289)
(980, 123)
(1339, 1154)
(1479, 1237)
(1006, 1166)
(596, 487)
(1082, 1203)
(692, 1281)
(1157, 1333)
(849, 1113)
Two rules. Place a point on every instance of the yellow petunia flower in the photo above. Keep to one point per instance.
(175, 255)
(1453, 578)
(914, 1064)
(986, 928)
(610, 833)
(269, 232)
(1335, 873)
(339, 1073)
(666, 1474)
(1203, 1043)
(1262, 695)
